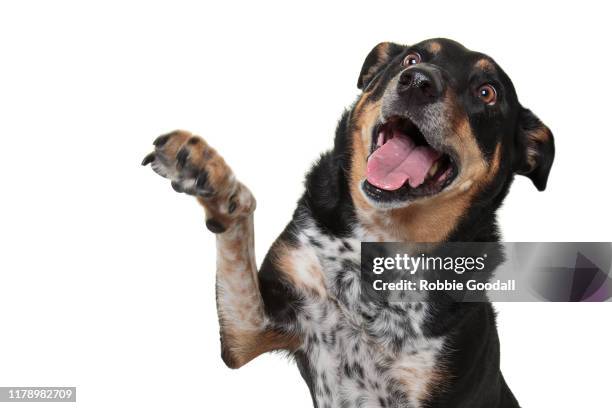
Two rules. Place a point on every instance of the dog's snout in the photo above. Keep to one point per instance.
(420, 85)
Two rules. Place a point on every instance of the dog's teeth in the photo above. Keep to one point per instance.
(433, 169)
(381, 139)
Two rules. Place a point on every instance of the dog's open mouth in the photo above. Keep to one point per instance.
(404, 165)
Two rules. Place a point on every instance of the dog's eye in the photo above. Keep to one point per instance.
(487, 94)
(411, 59)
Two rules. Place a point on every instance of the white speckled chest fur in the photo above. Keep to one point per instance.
(359, 355)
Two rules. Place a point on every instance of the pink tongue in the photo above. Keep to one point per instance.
(399, 160)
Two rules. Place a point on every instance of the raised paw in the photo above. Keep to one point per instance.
(195, 168)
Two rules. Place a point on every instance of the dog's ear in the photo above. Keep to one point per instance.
(535, 149)
(376, 59)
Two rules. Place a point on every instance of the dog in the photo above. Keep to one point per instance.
(426, 153)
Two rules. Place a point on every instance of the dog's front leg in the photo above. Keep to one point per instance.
(196, 169)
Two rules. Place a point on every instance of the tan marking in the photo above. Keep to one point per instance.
(176, 140)
(365, 114)
(382, 55)
(216, 207)
(485, 65)
(434, 47)
(466, 185)
(535, 138)
(301, 267)
(220, 176)
(541, 134)
(246, 345)
(382, 51)
(421, 375)
(204, 157)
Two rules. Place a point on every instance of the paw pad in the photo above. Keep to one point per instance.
(215, 226)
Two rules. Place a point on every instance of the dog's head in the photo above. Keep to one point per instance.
(435, 127)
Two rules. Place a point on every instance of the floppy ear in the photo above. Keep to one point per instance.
(376, 59)
(535, 149)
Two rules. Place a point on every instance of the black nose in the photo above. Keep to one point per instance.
(420, 85)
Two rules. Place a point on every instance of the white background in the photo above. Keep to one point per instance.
(106, 274)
